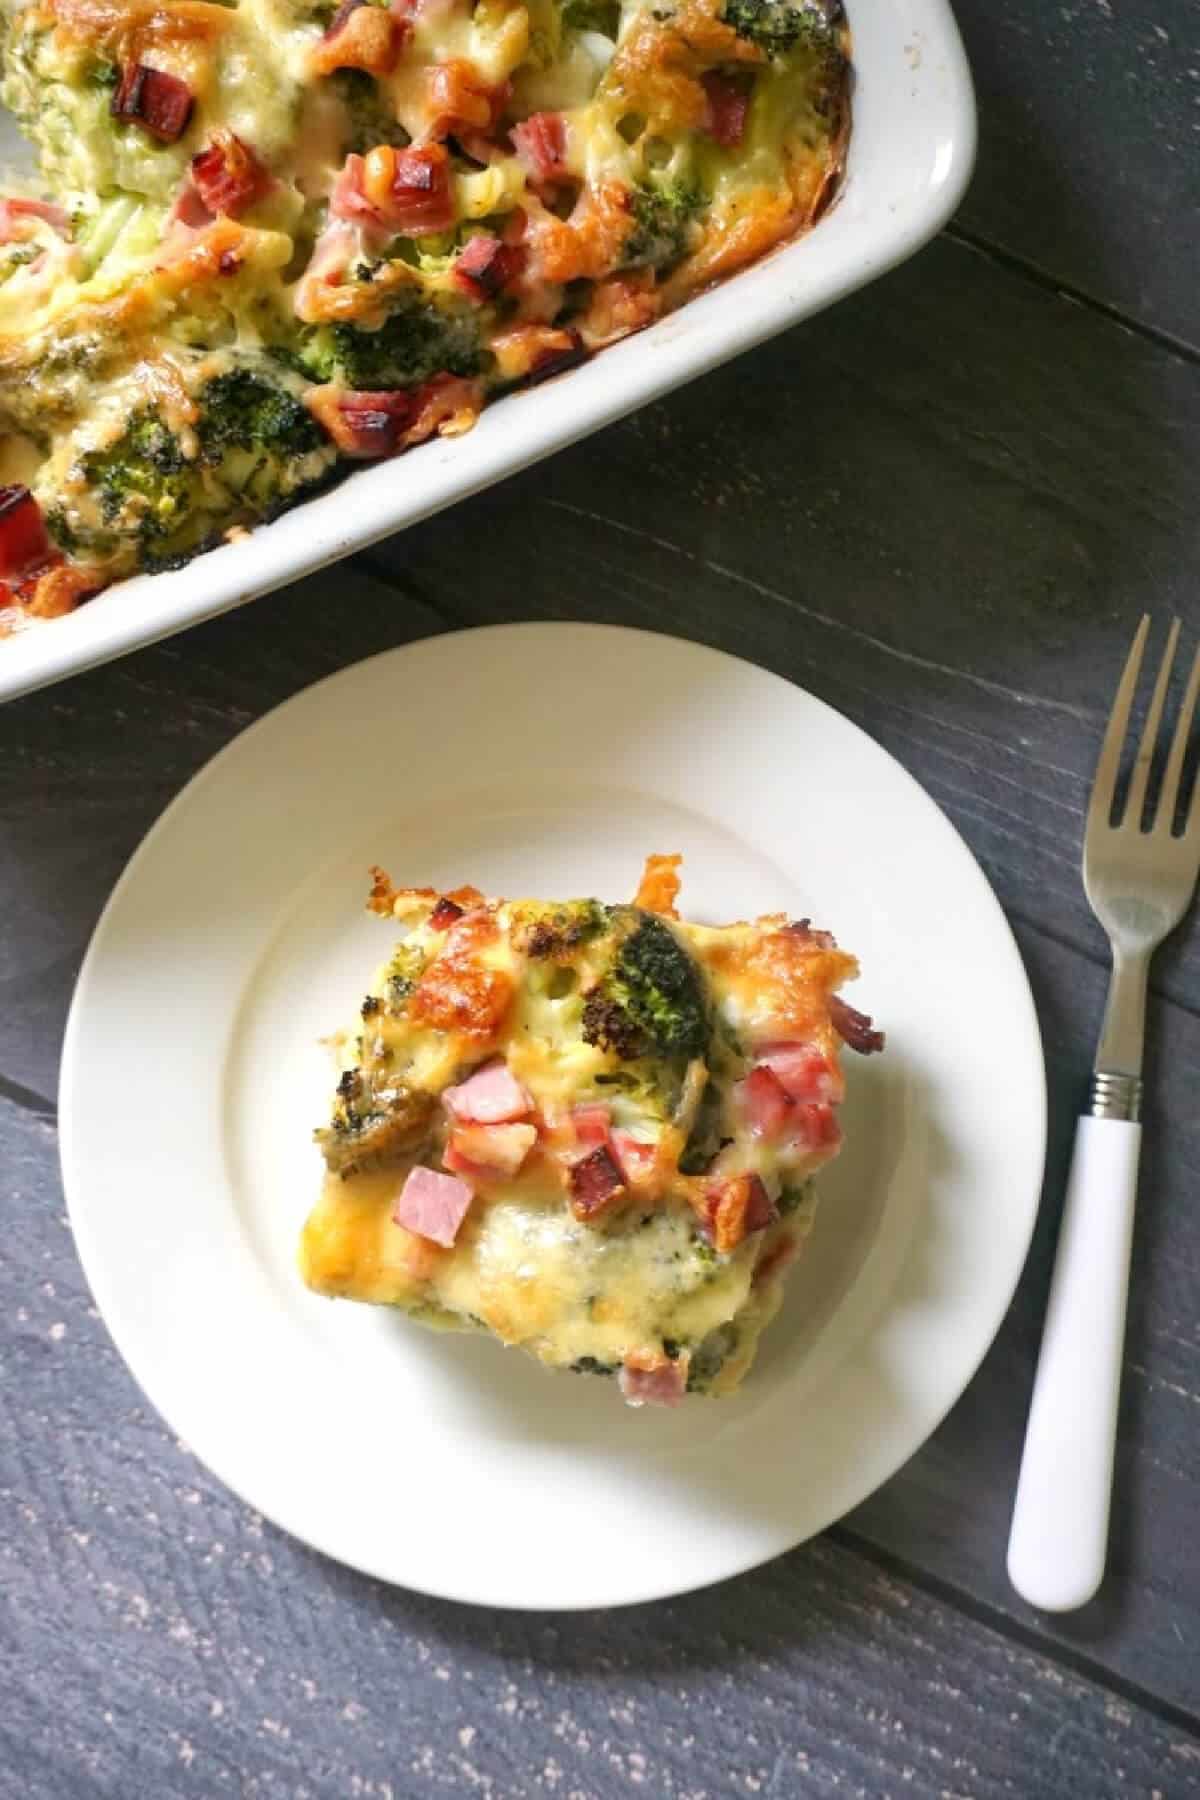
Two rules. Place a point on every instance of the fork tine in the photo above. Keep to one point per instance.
(1145, 752)
(1174, 770)
(1109, 763)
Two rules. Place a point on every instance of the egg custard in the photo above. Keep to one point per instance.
(275, 238)
(589, 1130)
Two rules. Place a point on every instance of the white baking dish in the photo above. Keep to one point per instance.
(911, 152)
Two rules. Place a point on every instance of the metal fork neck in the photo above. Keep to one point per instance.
(1123, 1030)
(1112, 1096)
(1116, 1085)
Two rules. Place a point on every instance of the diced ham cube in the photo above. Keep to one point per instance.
(759, 1210)
(448, 404)
(813, 1125)
(348, 199)
(433, 1205)
(855, 1028)
(596, 1184)
(228, 176)
(486, 266)
(654, 1381)
(157, 101)
(363, 425)
(189, 209)
(491, 1096)
(728, 99)
(444, 914)
(765, 1102)
(732, 1207)
(541, 143)
(591, 1125)
(803, 1071)
(410, 189)
(19, 208)
(636, 1158)
(489, 1150)
(24, 543)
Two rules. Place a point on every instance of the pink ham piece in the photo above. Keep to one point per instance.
(812, 1125)
(433, 1205)
(635, 1157)
(766, 1102)
(363, 425)
(803, 1071)
(541, 143)
(154, 99)
(189, 209)
(422, 197)
(24, 543)
(486, 266)
(790, 1097)
(654, 1382)
(728, 98)
(855, 1028)
(596, 1183)
(489, 1150)
(227, 175)
(491, 1096)
(444, 914)
(13, 210)
(591, 1125)
(348, 201)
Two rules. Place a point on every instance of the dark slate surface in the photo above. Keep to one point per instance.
(1089, 164)
(941, 507)
(160, 1640)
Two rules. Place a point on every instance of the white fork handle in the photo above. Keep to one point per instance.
(1059, 1536)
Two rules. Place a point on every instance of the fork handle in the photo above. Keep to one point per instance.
(1059, 1537)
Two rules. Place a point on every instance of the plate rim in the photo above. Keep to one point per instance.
(91, 1258)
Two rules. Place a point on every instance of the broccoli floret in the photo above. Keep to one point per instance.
(704, 1140)
(374, 1121)
(661, 218)
(244, 411)
(370, 119)
(553, 932)
(651, 1000)
(403, 973)
(143, 471)
(417, 340)
(792, 1199)
(777, 27)
(711, 1356)
(154, 497)
(592, 15)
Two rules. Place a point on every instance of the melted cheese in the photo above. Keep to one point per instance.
(573, 1291)
(642, 209)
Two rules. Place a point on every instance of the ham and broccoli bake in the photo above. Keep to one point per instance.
(275, 237)
(589, 1130)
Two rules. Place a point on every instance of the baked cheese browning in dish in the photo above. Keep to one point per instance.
(590, 1130)
(287, 235)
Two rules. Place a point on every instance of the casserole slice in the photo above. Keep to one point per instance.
(589, 1130)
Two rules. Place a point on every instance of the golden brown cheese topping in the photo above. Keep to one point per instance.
(279, 237)
(587, 1129)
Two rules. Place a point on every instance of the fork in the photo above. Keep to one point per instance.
(1139, 883)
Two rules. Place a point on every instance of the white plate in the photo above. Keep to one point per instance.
(538, 759)
(911, 154)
